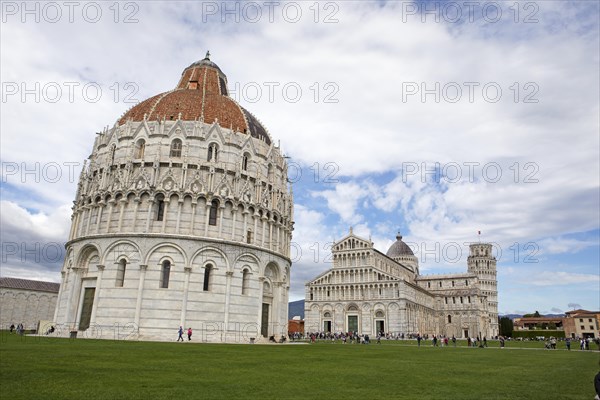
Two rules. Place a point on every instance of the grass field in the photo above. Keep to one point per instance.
(49, 368)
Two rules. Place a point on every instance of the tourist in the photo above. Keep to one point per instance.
(189, 333)
(180, 332)
(12, 328)
(419, 339)
(501, 342)
(568, 343)
(453, 340)
(597, 386)
(485, 341)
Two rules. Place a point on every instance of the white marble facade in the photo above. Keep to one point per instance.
(180, 221)
(369, 292)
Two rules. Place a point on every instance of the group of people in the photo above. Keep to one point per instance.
(19, 329)
(180, 333)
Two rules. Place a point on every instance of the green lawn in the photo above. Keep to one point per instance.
(47, 368)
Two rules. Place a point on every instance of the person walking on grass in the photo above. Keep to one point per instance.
(180, 332)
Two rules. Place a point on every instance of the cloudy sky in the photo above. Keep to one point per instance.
(434, 119)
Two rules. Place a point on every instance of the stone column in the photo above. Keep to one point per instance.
(74, 291)
(228, 277)
(234, 212)
(179, 206)
(97, 293)
(221, 212)
(149, 214)
(208, 206)
(137, 201)
(138, 305)
(111, 204)
(167, 202)
(88, 210)
(245, 230)
(186, 286)
(101, 205)
(263, 219)
(194, 204)
(122, 202)
(256, 216)
(60, 293)
(261, 289)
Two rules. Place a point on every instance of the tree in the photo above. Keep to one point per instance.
(506, 326)
(534, 315)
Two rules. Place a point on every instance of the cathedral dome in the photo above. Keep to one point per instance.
(201, 94)
(399, 249)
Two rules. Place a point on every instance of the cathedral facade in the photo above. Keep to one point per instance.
(183, 217)
(369, 292)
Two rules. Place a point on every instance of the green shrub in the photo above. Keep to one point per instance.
(534, 334)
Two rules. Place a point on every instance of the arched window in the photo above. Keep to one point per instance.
(207, 271)
(175, 148)
(121, 266)
(160, 208)
(165, 273)
(270, 172)
(213, 152)
(327, 315)
(249, 237)
(449, 319)
(245, 281)
(245, 159)
(140, 148)
(213, 213)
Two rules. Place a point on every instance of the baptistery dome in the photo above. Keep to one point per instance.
(183, 216)
(201, 94)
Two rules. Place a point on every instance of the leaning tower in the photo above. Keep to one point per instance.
(182, 217)
(482, 263)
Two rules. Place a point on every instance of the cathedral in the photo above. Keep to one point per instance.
(369, 292)
(183, 217)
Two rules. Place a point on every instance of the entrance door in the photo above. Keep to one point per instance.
(466, 332)
(327, 326)
(380, 325)
(264, 327)
(86, 309)
(352, 323)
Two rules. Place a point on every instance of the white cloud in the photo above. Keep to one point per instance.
(343, 200)
(561, 278)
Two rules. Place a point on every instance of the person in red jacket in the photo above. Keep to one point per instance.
(189, 333)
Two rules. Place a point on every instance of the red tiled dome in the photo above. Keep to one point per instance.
(201, 94)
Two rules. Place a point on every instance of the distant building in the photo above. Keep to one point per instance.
(27, 302)
(538, 323)
(369, 292)
(296, 326)
(582, 323)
